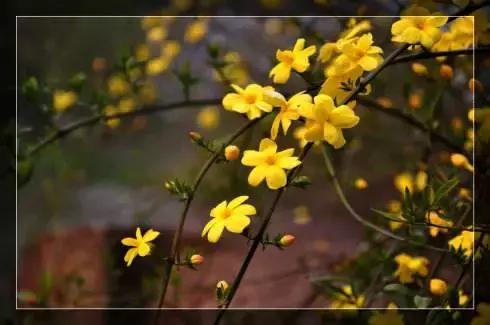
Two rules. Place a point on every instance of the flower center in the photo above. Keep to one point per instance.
(250, 98)
(270, 160)
(226, 213)
(288, 58)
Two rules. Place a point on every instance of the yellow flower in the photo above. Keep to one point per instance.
(170, 49)
(250, 101)
(296, 59)
(459, 36)
(233, 216)
(196, 259)
(64, 99)
(269, 164)
(347, 300)
(422, 27)
(156, 34)
(118, 86)
(420, 69)
(157, 65)
(147, 93)
(301, 215)
(109, 111)
(483, 317)
(433, 218)
(395, 207)
(360, 183)
(446, 72)
(390, 317)
(437, 287)
(299, 134)
(140, 245)
(324, 121)
(460, 161)
(464, 242)
(142, 52)
(196, 31)
(126, 104)
(208, 117)
(463, 298)
(333, 86)
(409, 266)
(289, 109)
(406, 180)
(359, 53)
(287, 240)
(234, 71)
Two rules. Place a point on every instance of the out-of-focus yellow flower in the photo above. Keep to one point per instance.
(406, 180)
(437, 287)
(421, 27)
(446, 72)
(126, 104)
(296, 59)
(359, 53)
(118, 86)
(99, 65)
(415, 100)
(462, 298)
(299, 134)
(156, 34)
(289, 109)
(420, 69)
(395, 208)
(287, 240)
(157, 65)
(140, 245)
(196, 30)
(233, 216)
(111, 110)
(64, 99)
(142, 52)
(170, 49)
(208, 117)
(301, 215)
(347, 299)
(147, 93)
(232, 153)
(384, 101)
(475, 85)
(250, 101)
(460, 161)
(324, 121)
(390, 317)
(360, 183)
(235, 70)
(465, 194)
(433, 218)
(459, 36)
(150, 22)
(269, 164)
(464, 242)
(483, 317)
(409, 266)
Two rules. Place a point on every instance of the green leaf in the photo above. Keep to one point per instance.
(444, 190)
(397, 288)
(30, 88)
(387, 215)
(301, 181)
(76, 81)
(422, 302)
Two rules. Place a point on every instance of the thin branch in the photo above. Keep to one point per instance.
(396, 113)
(145, 110)
(357, 216)
(175, 249)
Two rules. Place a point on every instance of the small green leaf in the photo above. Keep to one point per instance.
(76, 81)
(30, 88)
(397, 288)
(422, 302)
(444, 190)
(301, 181)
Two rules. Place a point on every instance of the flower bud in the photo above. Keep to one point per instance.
(195, 136)
(420, 69)
(460, 161)
(232, 153)
(169, 185)
(475, 85)
(196, 259)
(287, 240)
(415, 100)
(222, 289)
(446, 72)
(438, 287)
(223, 285)
(360, 183)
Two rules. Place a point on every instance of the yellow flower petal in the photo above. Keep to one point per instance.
(130, 255)
(275, 177)
(343, 117)
(252, 158)
(237, 201)
(150, 235)
(267, 145)
(143, 249)
(215, 231)
(128, 241)
(236, 223)
(208, 226)
(245, 209)
(257, 175)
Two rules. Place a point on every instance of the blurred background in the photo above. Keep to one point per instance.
(95, 186)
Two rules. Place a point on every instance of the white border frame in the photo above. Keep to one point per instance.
(216, 308)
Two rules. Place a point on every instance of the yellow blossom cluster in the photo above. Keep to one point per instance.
(410, 266)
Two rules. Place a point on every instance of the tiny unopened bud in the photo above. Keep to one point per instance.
(169, 185)
(360, 183)
(232, 153)
(438, 287)
(460, 161)
(195, 136)
(196, 259)
(420, 69)
(222, 285)
(446, 71)
(415, 100)
(287, 240)
(475, 85)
